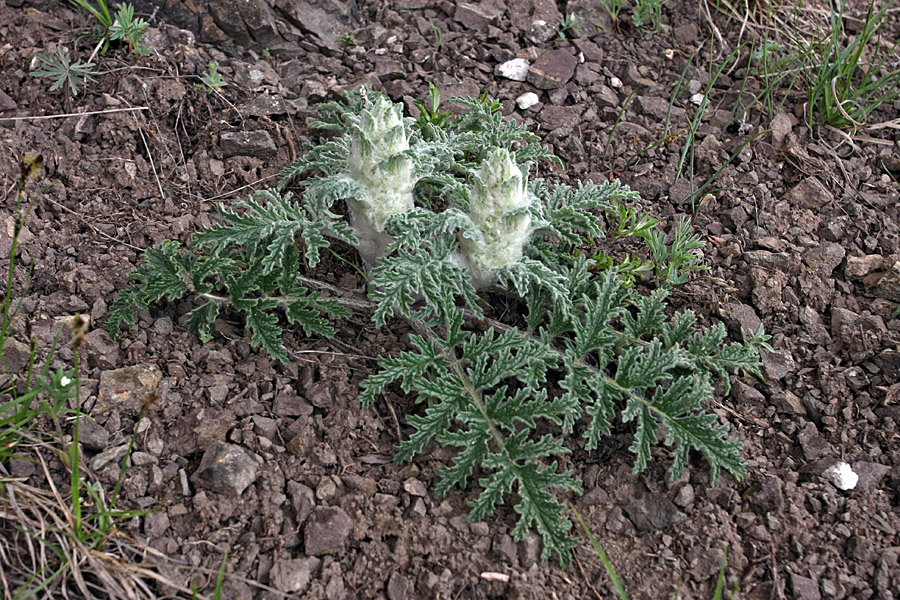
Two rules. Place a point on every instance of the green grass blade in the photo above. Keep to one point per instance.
(617, 584)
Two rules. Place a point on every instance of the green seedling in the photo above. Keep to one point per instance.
(211, 80)
(64, 74)
(569, 22)
(588, 351)
(613, 9)
(431, 119)
(124, 26)
(129, 29)
(648, 15)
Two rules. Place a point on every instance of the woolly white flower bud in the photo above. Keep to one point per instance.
(498, 208)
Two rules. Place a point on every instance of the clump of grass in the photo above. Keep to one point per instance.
(57, 541)
(852, 79)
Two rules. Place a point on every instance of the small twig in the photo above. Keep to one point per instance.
(78, 114)
(162, 194)
(94, 229)
(236, 190)
(585, 577)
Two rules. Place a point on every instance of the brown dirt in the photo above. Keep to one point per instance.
(801, 234)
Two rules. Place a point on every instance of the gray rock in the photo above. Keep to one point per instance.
(814, 325)
(824, 258)
(93, 437)
(126, 389)
(814, 445)
(781, 126)
(771, 261)
(320, 394)
(399, 587)
(327, 530)
(529, 550)
(289, 404)
(770, 495)
(788, 402)
(110, 455)
(593, 54)
(325, 19)
(538, 19)
(805, 588)
(226, 469)
(686, 34)
(554, 117)
(870, 473)
(616, 522)
(266, 427)
(834, 229)
(747, 394)
(102, 350)
(655, 107)
(586, 75)
(16, 356)
(293, 575)
(594, 497)
(303, 500)
(652, 511)
(859, 334)
(257, 143)
(478, 16)
(740, 316)
(809, 193)
(888, 286)
(685, 496)
(777, 365)
(6, 103)
(265, 106)
(505, 547)
(592, 17)
(156, 524)
(605, 95)
(552, 69)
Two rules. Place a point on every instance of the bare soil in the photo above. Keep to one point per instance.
(802, 236)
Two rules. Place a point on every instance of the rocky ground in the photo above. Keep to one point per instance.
(802, 235)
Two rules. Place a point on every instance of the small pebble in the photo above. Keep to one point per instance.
(842, 476)
(527, 100)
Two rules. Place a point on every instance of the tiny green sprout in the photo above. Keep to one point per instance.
(346, 39)
(266, 53)
(568, 22)
(129, 29)
(212, 80)
(438, 36)
(431, 116)
(758, 338)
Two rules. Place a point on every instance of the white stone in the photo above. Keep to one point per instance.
(515, 69)
(527, 100)
(842, 476)
(616, 83)
(697, 99)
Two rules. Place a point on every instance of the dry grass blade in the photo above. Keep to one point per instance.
(42, 557)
